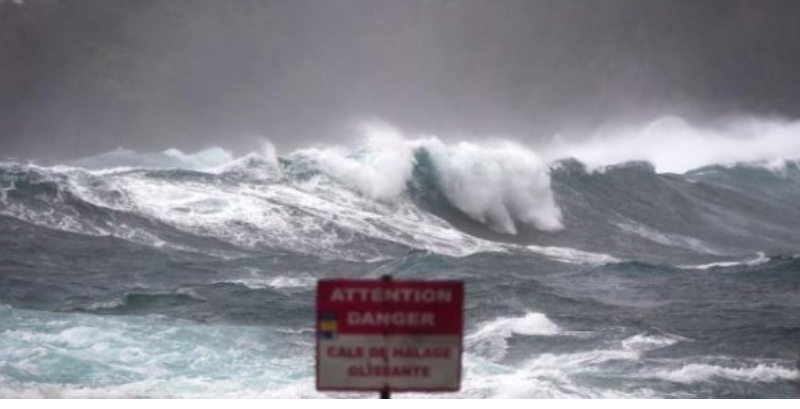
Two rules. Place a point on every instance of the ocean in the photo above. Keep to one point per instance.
(194, 275)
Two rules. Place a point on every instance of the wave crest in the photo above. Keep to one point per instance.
(499, 185)
(695, 373)
(673, 145)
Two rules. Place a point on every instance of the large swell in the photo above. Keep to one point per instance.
(172, 274)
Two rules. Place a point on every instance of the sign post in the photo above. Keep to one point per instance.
(389, 336)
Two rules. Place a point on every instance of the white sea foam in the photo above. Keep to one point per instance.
(497, 184)
(574, 256)
(491, 338)
(694, 373)
(757, 261)
(129, 357)
(380, 169)
(359, 198)
(316, 215)
(280, 282)
(642, 342)
(546, 376)
(144, 357)
(58, 213)
(106, 304)
(673, 145)
(532, 323)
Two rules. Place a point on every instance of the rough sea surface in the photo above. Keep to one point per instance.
(173, 275)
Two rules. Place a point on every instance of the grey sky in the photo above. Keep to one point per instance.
(85, 76)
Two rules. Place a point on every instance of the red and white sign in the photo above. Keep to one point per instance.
(402, 336)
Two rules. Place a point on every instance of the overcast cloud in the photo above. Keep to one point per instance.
(79, 77)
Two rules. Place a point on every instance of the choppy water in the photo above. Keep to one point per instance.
(194, 275)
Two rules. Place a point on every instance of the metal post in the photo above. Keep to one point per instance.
(386, 393)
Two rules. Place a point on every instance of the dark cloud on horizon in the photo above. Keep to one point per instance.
(84, 76)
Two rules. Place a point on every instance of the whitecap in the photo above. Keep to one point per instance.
(280, 282)
(671, 144)
(757, 261)
(574, 256)
(643, 342)
(498, 184)
(491, 337)
(694, 373)
(546, 376)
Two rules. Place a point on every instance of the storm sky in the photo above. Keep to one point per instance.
(80, 77)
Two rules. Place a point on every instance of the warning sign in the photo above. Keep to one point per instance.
(379, 334)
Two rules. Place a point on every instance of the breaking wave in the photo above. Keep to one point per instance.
(501, 185)
(328, 202)
(757, 261)
(394, 194)
(694, 373)
(671, 144)
(491, 338)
